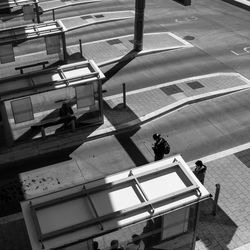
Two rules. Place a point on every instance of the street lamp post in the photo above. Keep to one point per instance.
(139, 23)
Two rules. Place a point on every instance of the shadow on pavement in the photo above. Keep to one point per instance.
(121, 64)
(115, 115)
(215, 230)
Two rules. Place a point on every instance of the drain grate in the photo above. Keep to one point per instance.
(86, 17)
(170, 90)
(244, 157)
(98, 16)
(114, 41)
(195, 85)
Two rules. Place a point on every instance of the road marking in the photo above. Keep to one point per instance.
(187, 19)
(222, 154)
(245, 50)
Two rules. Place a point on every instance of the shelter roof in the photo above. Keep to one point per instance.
(104, 205)
(30, 31)
(49, 79)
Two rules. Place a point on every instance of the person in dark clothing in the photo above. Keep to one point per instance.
(200, 171)
(66, 113)
(65, 110)
(159, 146)
(114, 245)
(95, 245)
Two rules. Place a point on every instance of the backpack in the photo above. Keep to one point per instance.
(166, 147)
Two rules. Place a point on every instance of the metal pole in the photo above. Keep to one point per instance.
(37, 12)
(64, 48)
(53, 14)
(124, 95)
(216, 197)
(197, 215)
(139, 23)
(80, 46)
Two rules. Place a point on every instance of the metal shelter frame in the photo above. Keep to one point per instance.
(64, 82)
(33, 31)
(17, 3)
(133, 180)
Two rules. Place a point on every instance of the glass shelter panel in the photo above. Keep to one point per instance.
(22, 110)
(85, 96)
(170, 231)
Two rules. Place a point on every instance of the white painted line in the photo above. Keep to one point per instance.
(221, 154)
(181, 40)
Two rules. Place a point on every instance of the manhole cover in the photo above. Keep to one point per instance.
(170, 90)
(188, 38)
(195, 85)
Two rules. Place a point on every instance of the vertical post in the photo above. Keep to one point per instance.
(139, 23)
(80, 47)
(53, 14)
(216, 197)
(37, 12)
(65, 59)
(197, 215)
(124, 95)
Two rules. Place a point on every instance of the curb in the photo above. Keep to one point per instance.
(61, 144)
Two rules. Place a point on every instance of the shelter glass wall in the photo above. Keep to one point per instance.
(85, 101)
(174, 230)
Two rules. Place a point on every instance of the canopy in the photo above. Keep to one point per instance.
(101, 206)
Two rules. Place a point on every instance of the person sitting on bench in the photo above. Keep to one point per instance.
(67, 113)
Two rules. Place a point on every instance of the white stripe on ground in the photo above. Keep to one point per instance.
(221, 154)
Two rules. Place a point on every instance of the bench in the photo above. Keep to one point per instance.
(54, 121)
(32, 65)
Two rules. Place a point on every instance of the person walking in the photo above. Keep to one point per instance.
(160, 147)
(200, 171)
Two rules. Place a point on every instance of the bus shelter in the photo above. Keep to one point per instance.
(30, 103)
(155, 206)
(52, 32)
(28, 7)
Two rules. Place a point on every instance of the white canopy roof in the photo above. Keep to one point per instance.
(103, 205)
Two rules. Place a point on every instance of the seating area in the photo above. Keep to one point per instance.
(32, 65)
(67, 120)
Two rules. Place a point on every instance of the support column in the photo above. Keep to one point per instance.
(8, 137)
(139, 23)
(37, 12)
(65, 58)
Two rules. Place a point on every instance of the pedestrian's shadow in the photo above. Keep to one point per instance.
(220, 227)
(120, 115)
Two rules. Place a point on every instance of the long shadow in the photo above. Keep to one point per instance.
(29, 134)
(124, 136)
(121, 64)
(212, 228)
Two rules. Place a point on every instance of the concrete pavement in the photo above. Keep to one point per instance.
(141, 106)
(228, 230)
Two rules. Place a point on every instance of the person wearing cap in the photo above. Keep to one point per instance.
(158, 147)
(200, 171)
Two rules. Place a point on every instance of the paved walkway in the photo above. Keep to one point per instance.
(103, 52)
(142, 106)
(228, 230)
